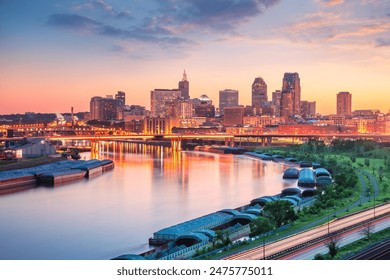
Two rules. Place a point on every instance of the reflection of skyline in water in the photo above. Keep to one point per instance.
(150, 188)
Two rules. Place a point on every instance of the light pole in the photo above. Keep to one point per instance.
(374, 205)
(328, 221)
(263, 246)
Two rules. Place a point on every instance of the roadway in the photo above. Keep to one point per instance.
(320, 233)
(308, 252)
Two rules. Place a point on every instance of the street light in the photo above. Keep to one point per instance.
(263, 246)
(374, 205)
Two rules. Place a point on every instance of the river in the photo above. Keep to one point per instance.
(116, 213)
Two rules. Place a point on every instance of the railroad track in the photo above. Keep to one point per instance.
(296, 242)
(380, 251)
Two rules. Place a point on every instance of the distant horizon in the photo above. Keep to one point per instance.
(56, 55)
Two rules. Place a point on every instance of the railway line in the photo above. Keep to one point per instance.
(380, 251)
(298, 241)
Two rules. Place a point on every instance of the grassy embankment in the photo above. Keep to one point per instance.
(375, 161)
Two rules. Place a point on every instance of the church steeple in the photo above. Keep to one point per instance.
(184, 76)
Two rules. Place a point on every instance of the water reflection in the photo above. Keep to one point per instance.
(150, 188)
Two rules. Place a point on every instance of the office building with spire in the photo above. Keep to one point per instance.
(184, 87)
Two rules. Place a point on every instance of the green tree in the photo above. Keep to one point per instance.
(333, 245)
(280, 212)
(259, 226)
(319, 256)
(385, 187)
(367, 162)
(368, 228)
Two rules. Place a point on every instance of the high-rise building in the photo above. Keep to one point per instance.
(160, 99)
(291, 83)
(227, 98)
(186, 109)
(276, 102)
(120, 97)
(286, 104)
(203, 106)
(109, 108)
(103, 109)
(259, 92)
(184, 87)
(308, 109)
(344, 103)
(95, 108)
(233, 116)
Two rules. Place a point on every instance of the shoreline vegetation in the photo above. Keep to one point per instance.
(361, 170)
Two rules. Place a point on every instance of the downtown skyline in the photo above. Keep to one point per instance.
(58, 54)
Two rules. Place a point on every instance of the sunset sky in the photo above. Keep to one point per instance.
(58, 54)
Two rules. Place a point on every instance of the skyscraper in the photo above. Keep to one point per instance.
(184, 87)
(292, 83)
(286, 104)
(121, 98)
(95, 108)
(276, 102)
(344, 103)
(103, 109)
(259, 92)
(161, 100)
(308, 109)
(227, 98)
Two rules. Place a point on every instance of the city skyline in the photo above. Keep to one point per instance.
(57, 55)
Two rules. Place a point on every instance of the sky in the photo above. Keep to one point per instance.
(59, 54)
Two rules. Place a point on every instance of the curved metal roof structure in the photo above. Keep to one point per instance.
(309, 192)
(263, 200)
(205, 222)
(254, 211)
(321, 172)
(291, 191)
(291, 173)
(306, 178)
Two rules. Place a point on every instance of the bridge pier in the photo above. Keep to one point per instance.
(95, 146)
(229, 142)
(176, 144)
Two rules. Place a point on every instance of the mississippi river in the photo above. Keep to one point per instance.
(116, 213)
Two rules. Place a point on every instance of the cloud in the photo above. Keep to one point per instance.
(331, 3)
(336, 28)
(213, 15)
(381, 42)
(149, 31)
(123, 14)
(102, 6)
(74, 22)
